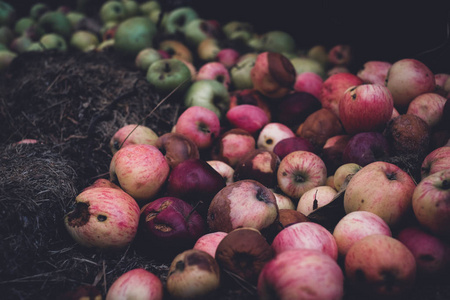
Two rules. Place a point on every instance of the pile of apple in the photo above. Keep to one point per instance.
(268, 135)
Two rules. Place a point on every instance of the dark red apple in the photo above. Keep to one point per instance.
(366, 147)
(288, 145)
(294, 108)
(332, 151)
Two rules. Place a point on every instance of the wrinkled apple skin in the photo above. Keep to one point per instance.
(301, 274)
(104, 218)
(136, 284)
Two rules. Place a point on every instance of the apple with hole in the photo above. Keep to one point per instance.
(232, 146)
(301, 274)
(340, 55)
(208, 93)
(176, 49)
(356, 225)
(309, 82)
(196, 182)
(177, 19)
(247, 117)
(271, 134)
(104, 218)
(199, 124)
(273, 75)
(334, 87)
(429, 107)
(380, 266)
(315, 198)
(428, 250)
(223, 169)
(170, 224)
(408, 78)
(176, 148)
(305, 235)
(209, 242)
(140, 170)
(112, 11)
(132, 134)
(364, 148)
(244, 203)
(193, 274)
(382, 188)
(435, 161)
(431, 204)
(295, 107)
(136, 284)
(300, 171)
(344, 171)
(241, 70)
(169, 74)
(366, 107)
(291, 144)
(198, 30)
(374, 71)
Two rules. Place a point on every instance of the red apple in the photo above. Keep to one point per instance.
(374, 71)
(366, 147)
(435, 161)
(288, 145)
(228, 57)
(232, 146)
(271, 134)
(248, 117)
(429, 107)
(136, 284)
(223, 169)
(309, 82)
(332, 151)
(294, 108)
(214, 71)
(340, 55)
(209, 242)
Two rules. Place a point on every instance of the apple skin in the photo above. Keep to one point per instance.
(431, 205)
(84, 40)
(140, 169)
(273, 75)
(366, 107)
(309, 82)
(209, 242)
(228, 57)
(340, 55)
(334, 87)
(252, 97)
(429, 107)
(300, 171)
(248, 117)
(214, 71)
(176, 148)
(132, 134)
(200, 124)
(374, 71)
(176, 49)
(295, 107)
(168, 74)
(291, 144)
(146, 57)
(428, 250)
(366, 147)
(341, 174)
(232, 146)
(382, 188)
(104, 218)
(240, 72)
(435, 161)
(305, 64)
(315, 198)
(178, 18)
(271, 134)
(112, 12)
(208, 49)
(355, 226)
(408, 78)
(223, 169)
(301, 274)
(137, 284)
(133, 35)
(284, 202)
(332, 151)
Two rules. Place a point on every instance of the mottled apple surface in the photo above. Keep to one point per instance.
(136, 284)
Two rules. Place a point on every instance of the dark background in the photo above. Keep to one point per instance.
(377, 30)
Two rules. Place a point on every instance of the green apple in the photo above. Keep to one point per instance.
(84, 40)
(146, 57)
(133, 35)
(6, 57)
(35, 46)
(306, 64)
(55, 22)
(38, 9)
(277, 41)
(198, 30)
(131, 8)
(6, 35)
(7, 13)
(178, 19)
(210, 94)
(21, 43)
(23, 24)
(53, 41)
(237, 30)
(240, 72)
(75, 18)
(167, 74)
(112, 11)
(148, 6)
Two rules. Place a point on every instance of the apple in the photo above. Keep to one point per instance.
(223, 169)
(366, 147)
(20, 27)
(38, 9)
(291, 144)
(228, 57)
(382, 188)
(7, 14)
(366, 107)
(177, 19)
(300, 171)
(276, 41)
(232, 146)
(319, 53)
(315, 198)
(429, 107)
(374, 71)
(132, 134)
(112, 11)
(340, 55)
(196, 182)
(104, 218)
(146, 57)
(430, 203)
(209, 242)
(133, 35)
(428, 250)
(344, 171)
(332, 151)
(284, 202)
(271, 134)
(176, 49)
(408, 78)
(238, 32)
(208, 49)
(301, 274)
(309, 82)
(305, 235)
(241, 70)
(176, 148)
(244, 203)
(252, 97)
(6, 58)
(170, 224)
(295, 107)
(214, 71)
(137, 283)
(20, 44)
(53, 41)
(248, 117)
(210, 94)
(333, 89)
(199, 124)
(102, 182)
(193, 274)
(356, 225)
(198, 30)
(435, 161)
(381, 266)
(169, 74)
(273, 74)
(140, 170)
(84, 40)
(54, 22)
(305, 64)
